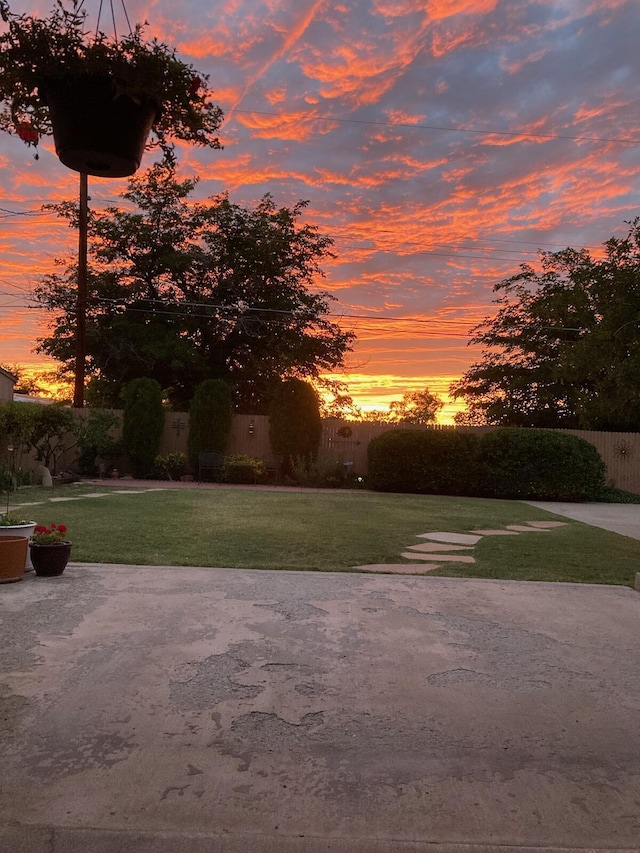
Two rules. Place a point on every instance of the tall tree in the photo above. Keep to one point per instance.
(210, 419)
(295, 425)
(182, 292)
(564, 348)
(142, 423)
(416, 407)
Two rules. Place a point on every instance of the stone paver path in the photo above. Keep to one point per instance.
(445, 547)
(65, 499)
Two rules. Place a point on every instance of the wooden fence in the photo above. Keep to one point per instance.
(347, 441)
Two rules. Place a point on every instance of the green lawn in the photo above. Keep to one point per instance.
(323, 531)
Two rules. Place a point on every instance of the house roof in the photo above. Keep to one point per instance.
(8, 374)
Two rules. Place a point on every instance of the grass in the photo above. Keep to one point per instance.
(324, 531)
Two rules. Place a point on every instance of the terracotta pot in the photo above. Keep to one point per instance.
(96, 130)
(49, 561)
(20, 530)
(13, 556)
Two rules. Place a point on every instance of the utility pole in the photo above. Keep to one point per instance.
(81, 299)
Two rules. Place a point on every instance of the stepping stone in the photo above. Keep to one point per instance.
(61, 500)
(437, 546)
(95, 495)
(521, 528)
(548, 524)
(495, 532)
(132, 491)
(441, 558)
(452, 538)
(397, 568)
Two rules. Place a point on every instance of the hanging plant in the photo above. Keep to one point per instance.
(46, 61)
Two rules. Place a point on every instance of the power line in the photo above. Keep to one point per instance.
(5, 213)
(443, 128)
(246, 312)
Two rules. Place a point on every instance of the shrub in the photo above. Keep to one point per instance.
(243, 469)
(17, 425)
(210, 419)
(170, 467)
(540, 465)
(318, 474)
(96, 444)
(142, 424)
(295, 425)
(424, 461)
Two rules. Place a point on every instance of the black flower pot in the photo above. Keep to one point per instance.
(49, 561)
(97, 129)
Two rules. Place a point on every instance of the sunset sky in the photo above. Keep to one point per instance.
(440, 143)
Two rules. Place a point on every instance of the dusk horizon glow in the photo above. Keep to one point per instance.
(440, 143)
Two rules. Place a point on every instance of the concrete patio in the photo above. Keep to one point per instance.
(188, 710)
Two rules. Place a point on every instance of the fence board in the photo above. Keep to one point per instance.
(347, 441)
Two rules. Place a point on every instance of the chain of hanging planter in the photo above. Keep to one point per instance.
(99, 128)
(101, 97)
(79, 6)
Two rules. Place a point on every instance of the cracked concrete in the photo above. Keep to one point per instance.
(154, 709)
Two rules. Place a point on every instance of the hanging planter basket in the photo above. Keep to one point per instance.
(97, 129)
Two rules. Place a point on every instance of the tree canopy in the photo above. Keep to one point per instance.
(564, 348)
(416, 407)
(183, 291)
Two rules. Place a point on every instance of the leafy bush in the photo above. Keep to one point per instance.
(540, 465)
(6, 480)
(424, 461)
(97, 447)
(210, 419)
(295, 425)
(142, 424)
(54, 432)
(16, 425)
(318, 474)
(611, 495)
(170, 467)
(243, 469)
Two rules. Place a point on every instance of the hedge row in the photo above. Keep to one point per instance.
(508, 463)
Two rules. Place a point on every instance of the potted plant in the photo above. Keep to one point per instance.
(13, 554)
(17, 525)
(50, 549)
(101, 98)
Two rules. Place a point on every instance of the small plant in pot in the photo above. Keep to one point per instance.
(99, 97)
(50, 549)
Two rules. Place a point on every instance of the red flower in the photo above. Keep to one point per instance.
(195, 85)
(40, 528)
(62, 528)
(27, 132)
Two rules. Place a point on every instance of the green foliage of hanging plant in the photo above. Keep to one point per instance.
(34, 50)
